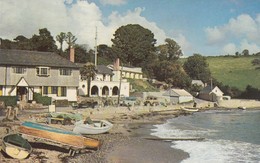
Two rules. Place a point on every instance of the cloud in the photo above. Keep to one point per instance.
(229, 49)
(243, 27)
(183, 42)
(113, 2)
(81, 18)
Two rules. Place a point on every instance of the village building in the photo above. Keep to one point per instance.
(24, 73)
(106, 83)
(211, 93)
(178, 96)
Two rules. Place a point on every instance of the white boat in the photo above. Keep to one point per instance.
(189, 109)
(16, 146)
(92, 127)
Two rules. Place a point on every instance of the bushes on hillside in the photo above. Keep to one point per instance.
(9, 100)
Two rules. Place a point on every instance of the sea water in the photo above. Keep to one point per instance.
(230, 136)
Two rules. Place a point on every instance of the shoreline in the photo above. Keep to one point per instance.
(125, 136)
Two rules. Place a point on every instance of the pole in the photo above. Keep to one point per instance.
(96, 48)
(120, 81)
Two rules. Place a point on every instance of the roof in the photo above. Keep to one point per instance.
(197, 82)
(102, 69)
(208, 90)
(176, 92)
(34, 58)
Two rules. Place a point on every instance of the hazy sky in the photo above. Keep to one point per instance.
(207, 27)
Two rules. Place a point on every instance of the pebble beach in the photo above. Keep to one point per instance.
(125, 143)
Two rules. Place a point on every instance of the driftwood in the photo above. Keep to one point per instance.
(176, 139)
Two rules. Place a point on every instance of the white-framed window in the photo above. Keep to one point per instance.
(43, 71)
(65, 72)
(19, 70)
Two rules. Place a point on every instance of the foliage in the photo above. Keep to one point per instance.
(61, 38)
(9, 100)
(197, 68)
(256, 62)
(70, 39)
(45, 100)
(105, 54)
(44, 41)
(141, 86)
(87, 72)
(170, 51)
(251, 93)
(172, 73)
(134, 45)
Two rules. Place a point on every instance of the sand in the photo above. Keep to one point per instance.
(125, 143)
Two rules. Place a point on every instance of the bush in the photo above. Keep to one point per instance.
(45, 100)
(9, 100)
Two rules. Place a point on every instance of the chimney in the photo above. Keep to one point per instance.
(116, 65)
(72, 54)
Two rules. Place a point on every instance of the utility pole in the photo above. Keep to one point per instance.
(96, 48)
(120, 81)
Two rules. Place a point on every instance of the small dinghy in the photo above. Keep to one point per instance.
(91, 127)
(16, 146)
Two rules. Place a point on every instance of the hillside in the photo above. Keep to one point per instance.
(238, 72)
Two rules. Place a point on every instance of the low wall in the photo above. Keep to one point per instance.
(234, 103)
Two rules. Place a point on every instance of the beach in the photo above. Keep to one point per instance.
(124, 143)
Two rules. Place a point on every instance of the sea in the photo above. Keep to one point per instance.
(231, 136)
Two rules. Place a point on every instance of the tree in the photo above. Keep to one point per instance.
(70, 39)
(134, 45)
(43, 42)
(61, 38)
(172, 73)
(88, 72)
(170, 51)
(245, 52)
(197, 67)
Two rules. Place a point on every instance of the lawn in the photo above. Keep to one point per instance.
(238, 72)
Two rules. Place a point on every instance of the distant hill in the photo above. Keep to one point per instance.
(235, 71)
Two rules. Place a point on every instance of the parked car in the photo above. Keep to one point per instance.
(128, 101)
(151, 101)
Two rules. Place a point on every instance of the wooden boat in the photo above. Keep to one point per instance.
(92, 127)
(189, 109)
(16, 146)
(58, 135)
(242, 107)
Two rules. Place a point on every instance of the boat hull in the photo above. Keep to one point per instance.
(98, 127)
(16, 149)
(58, 135)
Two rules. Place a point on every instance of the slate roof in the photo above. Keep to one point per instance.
(207, 89)
(176, 92)
(102, 69)
(34, 58)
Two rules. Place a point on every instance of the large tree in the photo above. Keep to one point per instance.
(44, 41)
(170, 51)
(172, 73)
(197, 67)
(70, 39)
(134, 45)
(61, 38)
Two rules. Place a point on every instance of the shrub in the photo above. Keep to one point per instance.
(9, 100)
(45, 100)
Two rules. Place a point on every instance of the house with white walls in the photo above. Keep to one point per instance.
(106, 83)
(24, 73)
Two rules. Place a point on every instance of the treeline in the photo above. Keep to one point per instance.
(135, 46)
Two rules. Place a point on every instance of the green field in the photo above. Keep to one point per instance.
(238, 72)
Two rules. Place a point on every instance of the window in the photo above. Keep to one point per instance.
(63, 91)
(43, 71)
(65, 71)
(19, 70)
(45, 90)
(54, 90)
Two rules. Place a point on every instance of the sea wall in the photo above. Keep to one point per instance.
(234, 103)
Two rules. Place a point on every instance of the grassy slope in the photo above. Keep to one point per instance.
(238, 72)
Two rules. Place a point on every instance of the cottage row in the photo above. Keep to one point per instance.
(24, 73)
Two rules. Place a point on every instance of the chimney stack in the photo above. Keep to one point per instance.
(116, 65)
(72, 54)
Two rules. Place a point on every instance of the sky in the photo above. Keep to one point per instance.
(206, 27)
